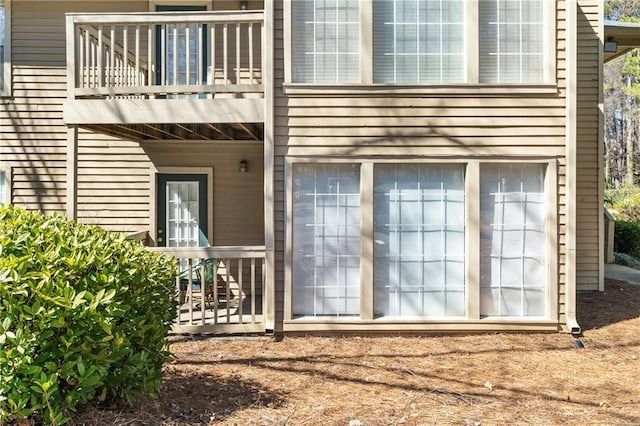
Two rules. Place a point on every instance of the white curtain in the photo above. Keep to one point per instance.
(419, 219)
(513, 278)
(326, 239)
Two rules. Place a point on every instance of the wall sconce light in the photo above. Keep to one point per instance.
(242, 167)
(243, 4)
(610, 46)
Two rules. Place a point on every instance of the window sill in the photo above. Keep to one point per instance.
(354, 324)
(463, 89)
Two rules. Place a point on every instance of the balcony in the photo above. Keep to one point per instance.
(233, 282)
(178, 75)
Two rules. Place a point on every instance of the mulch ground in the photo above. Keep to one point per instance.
(487, 379)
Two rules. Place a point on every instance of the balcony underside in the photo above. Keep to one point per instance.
(169, 119)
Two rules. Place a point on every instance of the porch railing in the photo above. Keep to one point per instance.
(220, 289)
(177, 54)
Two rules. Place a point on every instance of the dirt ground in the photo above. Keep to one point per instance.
(484, 379)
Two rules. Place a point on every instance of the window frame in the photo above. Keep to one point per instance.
(5, 89)
(471, 61)
(472, 250)
(7, 178)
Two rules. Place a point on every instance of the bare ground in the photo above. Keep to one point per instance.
(483, 379)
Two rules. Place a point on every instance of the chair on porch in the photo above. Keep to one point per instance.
(198, 283)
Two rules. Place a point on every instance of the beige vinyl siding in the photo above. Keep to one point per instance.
(478, 126)
(32, 133)
(238, 201)
(113, 175)
(588, 219)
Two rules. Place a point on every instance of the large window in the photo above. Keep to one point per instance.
(5, 47)
(425, 42)
(326, 240)
(511, 41)
(418, 41)
(400, 241)
(419, 240)
(326, 41)
(513, 278)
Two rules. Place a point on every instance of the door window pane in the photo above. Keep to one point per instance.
(183, 221)
(326, 239)
(418, 41)
(513, 248)
(181, 54)
(326, 41)
(419, 225)
(511, 41)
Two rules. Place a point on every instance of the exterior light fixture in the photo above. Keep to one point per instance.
(242, 167)
(610, 46)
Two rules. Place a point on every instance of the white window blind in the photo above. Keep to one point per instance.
(326, 239)
(511, 41)
(418, 41)
(419, 220)
(513, 278)
(326, 41)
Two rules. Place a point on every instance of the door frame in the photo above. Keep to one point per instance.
(154, 3)
(153, 201)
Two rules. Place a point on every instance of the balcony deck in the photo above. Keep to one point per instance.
(233, 298)
(179, 75)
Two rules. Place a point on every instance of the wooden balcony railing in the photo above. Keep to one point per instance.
(165, 55)
(220, 289)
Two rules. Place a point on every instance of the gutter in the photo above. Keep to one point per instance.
(571, 168)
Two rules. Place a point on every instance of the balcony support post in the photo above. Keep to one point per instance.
(269, 202)
(72, 172)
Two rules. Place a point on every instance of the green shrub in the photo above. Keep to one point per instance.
(613, 196)
(627, 238)
(628, 209)
(83, 315)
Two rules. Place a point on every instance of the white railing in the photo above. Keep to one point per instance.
(177, 54)
(220, 289)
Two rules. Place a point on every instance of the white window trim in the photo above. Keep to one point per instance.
(472, 242)
(6, 174)
(471, 85)
(5, 91)
(153, 199)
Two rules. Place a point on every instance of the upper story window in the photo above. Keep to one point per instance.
(418, 41)
(511, 41)
(5, 48)
(422, 41)
(326, 41)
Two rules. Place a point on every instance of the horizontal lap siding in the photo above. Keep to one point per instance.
(238, 201)
(32, 133)
(424, 126)
(589, 154)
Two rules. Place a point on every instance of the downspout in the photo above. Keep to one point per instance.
(571, 14)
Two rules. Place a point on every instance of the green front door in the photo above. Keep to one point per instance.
(182, 210)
